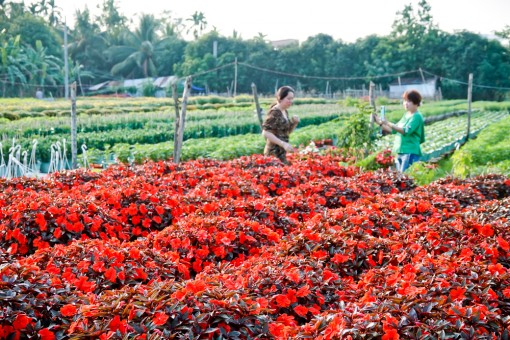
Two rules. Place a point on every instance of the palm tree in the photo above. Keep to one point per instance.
(12, 65)
(136, 56)
(88, 44)
(47, 9)
(198, 24)
(42, 68)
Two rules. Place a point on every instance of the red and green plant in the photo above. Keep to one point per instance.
(251, 248)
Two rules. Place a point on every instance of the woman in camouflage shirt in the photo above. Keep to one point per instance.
(277, 125)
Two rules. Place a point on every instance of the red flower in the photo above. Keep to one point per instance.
(303, 291)
(57, 233)
(487, 230)
(457, 293)
(41, 221)
(282, 300)
(210, 207)
(159, 318)
(390, 334)
(329, 275)
(118, 325)
(263, 303)
(503, 243)
(506, 293)
(68, 310)
(196, 286)
(287, 320)
(111, 274)
(140, 274)
(21, 322)
(301, 310)
(46, 334)
(338, 258)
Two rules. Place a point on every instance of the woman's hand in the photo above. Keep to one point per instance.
(295, 119)
(288, 147)
(377, 119)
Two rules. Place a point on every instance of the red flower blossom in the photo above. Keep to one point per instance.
(457, 293)
(329, 275)
(46, 334)
(57, 233)
(304, 291)
(111, 275)
(21, 322)
(282, 301)
(140, 274)
(487, 230)
(159, 318)
(287, 320)
(301, 310)
(503, 243)
(41, 221)
(339, 258)
(263, 303)
(390, 334)
(118, 325)
(68, 310)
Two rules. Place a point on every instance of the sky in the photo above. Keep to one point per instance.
(343, 20)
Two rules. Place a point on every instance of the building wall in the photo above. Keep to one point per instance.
(427, 90)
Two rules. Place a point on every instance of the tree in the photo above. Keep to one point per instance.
(87, 46)
(135, 56)
(169, 54)
(111, 22)
(463, 56)
(42, 68)
(12, 71)
(31, 29)
(48, 10)
(198, 24)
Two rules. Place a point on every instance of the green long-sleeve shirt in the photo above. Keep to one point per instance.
(414, 134)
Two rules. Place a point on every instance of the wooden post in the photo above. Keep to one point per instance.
(66, 63)
(74, 147)
(371, 94)
(422, 77)
(257, 105)
(182, 119)
(235, 79)
(176, 124)
(470, 97)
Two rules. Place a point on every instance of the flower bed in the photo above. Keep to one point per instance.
(250, 248)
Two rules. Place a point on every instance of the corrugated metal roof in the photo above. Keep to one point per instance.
(161, 82)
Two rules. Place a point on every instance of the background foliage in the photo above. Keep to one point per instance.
(111, 46)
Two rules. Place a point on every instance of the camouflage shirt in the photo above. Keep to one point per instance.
(279, 125)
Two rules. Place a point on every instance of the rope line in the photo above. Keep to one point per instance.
(198, 74)
(465, 83)
(326, 78)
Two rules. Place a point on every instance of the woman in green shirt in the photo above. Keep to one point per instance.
(409, 131)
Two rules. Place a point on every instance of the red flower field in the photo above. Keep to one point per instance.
(249, 249)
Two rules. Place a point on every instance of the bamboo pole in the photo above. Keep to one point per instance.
(257, 105)
(74, 147)
(177, 115)
(182, 119)
(470, 97)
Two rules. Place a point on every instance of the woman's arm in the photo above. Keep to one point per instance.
(390, 127)
(387, 126)
(294, 121)
(275, 140)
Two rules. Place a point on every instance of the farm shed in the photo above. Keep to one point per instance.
(427, 87)
(160, 82)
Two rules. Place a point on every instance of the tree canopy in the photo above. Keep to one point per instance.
(111, 46)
